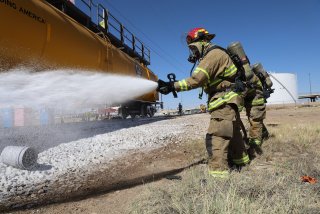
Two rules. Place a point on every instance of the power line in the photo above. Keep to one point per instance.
(310, 83)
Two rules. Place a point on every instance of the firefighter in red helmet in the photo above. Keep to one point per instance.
(217, 74)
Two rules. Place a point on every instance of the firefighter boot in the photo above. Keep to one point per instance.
(255, 146)
(251, 152)
(265, 133)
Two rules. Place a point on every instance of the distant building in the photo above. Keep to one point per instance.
(286, 90)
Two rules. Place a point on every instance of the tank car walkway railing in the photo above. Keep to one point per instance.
(84, 12)
(112, 27)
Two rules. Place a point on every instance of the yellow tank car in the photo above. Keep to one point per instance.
(49, 34)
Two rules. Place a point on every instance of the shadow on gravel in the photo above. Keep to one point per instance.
(44, 137)
(41, 167)
(115, 186)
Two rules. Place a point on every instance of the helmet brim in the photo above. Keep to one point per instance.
(210, 36)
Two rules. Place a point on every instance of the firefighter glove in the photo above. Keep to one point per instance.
(267, 92)
(165, 87)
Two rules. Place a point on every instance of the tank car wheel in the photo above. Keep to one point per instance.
(143, 111)
(123, 113)
(151, 111)
(133, 116)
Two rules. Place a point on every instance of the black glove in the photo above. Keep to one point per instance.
(267, 92)
(239, 85)
(165, 87)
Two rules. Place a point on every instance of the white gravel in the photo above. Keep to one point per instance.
(67, 169)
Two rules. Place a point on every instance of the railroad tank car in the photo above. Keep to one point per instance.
(50, 34)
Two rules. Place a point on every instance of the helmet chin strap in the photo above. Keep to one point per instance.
(194, 64)
(201, 53)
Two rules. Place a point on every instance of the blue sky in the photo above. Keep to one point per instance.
(282, 35)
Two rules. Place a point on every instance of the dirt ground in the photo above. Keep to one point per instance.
(174, 158)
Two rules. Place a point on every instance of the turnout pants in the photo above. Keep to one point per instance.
(256, 115)
(224, 141)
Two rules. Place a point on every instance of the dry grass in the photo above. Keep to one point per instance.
(290, 106)
(271, 184)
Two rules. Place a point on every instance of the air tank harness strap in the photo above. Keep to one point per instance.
(214, 82)
(230, 71)
(215, 47)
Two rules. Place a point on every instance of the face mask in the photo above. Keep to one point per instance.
(194, 54)
(196, 50)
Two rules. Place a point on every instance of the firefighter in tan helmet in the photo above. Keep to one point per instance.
(258, 90)
(216, 74)
(254, 101)
(255, 106)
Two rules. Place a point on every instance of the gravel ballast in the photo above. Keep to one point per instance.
(79, 167)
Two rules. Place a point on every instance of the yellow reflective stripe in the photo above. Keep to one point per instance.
(244, 160)
(256, 102)
(184, 82)
(219, 174)
(224, 172)
(203, 70)
(255, 141)
(259, 83)
(221, 100)
(183, 85)
(102, 24)
(180, 84)
(231, 70)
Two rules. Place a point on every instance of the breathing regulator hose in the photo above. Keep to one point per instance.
(194, 64)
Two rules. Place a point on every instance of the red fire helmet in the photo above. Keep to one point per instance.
(198, 34)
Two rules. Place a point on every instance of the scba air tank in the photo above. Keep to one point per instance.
(258, 69)
(236, 48)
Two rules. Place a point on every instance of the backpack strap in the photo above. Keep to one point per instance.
(235, 59)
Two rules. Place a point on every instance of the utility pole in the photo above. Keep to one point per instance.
(161, 102)
(310, 83)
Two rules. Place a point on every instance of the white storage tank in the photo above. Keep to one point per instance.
(286, 90)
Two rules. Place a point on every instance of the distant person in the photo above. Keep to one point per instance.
(180, 109)
(203, 108)
(216, 74)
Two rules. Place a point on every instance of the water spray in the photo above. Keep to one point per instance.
(69, 89)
